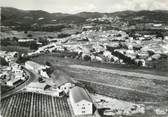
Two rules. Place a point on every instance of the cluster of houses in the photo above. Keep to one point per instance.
(14, 73)
(115, 22)
(9, 56)
(110, 46)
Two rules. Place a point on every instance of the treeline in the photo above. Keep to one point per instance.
(14, 42)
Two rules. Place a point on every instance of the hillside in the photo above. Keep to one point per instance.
(15, 17)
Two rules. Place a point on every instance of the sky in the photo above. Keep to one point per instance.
(75, 6)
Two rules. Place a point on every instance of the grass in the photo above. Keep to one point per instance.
(59, 59)
(5, 89)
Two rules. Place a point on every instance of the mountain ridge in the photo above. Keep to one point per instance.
(13, 16)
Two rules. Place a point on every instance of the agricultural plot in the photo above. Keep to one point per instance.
(34, 105)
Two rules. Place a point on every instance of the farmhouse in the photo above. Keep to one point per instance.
(38, 68)
(80, 101)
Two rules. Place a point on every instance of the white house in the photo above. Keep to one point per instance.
(13, 81)
(33, 66)
(38, 68)
(80, 101)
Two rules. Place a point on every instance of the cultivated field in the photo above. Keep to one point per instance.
(34, 105)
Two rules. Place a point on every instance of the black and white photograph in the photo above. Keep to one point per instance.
(83, 58)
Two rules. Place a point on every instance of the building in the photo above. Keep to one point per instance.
(80, 101)
(25, 40)
(62, 81)
(33, 66)
(38, 68)
(43, 88)
(13, 81)
(36, 86)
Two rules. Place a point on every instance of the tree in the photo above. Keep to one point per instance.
(48, 63)
(49, 70)
(3, 62)
(29, 35)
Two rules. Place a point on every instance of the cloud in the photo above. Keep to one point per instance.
(84, 7)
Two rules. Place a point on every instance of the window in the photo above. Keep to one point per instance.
(83, 111)
(83, 107)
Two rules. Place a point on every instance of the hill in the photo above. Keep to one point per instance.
(15, 17)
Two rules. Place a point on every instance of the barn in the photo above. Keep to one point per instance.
(80, 101)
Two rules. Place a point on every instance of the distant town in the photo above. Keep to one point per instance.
(87, 64)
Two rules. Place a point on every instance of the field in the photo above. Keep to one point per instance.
(28, 104)
(16, 48)
(62, 60)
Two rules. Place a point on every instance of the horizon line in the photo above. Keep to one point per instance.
(80, 11)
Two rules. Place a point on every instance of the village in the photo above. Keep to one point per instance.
(83, 65)
(110, 47)
(97, 46)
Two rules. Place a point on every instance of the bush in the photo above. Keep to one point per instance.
(62, 35)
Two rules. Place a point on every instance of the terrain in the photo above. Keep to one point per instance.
(67, 43)
(23, 18)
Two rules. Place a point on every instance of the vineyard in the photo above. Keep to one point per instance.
(34, 105)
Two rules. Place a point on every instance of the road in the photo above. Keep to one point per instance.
(32, 76)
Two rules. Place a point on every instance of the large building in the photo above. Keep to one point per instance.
(80, 101)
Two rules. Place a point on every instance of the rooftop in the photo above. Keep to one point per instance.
(78, 94)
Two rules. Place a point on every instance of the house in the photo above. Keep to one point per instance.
(14, 54)
(36, 86)
(80, 101)
(13, 81)
(33, 66)
(15, 66)
(38, 68)
(3, 53)
(43, 88)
